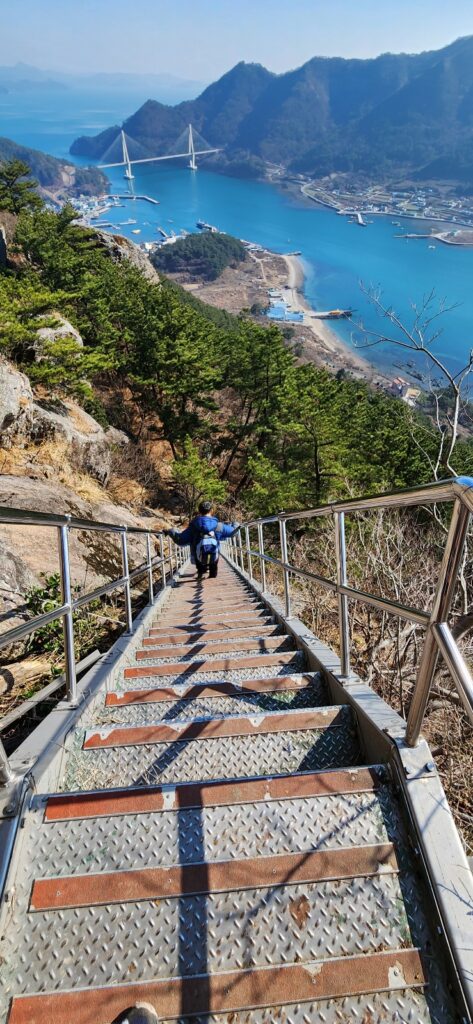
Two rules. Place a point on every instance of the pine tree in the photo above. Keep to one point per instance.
(17, 188)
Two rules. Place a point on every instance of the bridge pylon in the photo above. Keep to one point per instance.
(192, 160)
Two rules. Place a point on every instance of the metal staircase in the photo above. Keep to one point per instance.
(226, 829)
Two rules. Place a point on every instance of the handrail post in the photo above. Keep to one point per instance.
(6, 774)
(343, 617)
(448, 574)
(283, 541)
(262, 561)
(248, 552)
(163, 564)
(68, 617)
(126, 585)
(150, 569)
(240, 552)
(170, 556)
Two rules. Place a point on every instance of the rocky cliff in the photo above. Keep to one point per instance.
(55, 457)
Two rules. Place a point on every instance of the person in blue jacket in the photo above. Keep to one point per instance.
(204, 535)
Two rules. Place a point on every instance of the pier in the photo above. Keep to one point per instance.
(355, 214)
(146, 199)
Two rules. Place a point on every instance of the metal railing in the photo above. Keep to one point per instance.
(438, 636)
(166, 562)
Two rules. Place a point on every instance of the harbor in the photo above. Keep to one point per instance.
(335, 257)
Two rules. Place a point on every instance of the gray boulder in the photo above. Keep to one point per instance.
(16, 578)
(46, 335)
(16, 399)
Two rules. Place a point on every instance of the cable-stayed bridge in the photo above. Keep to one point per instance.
(188, 146)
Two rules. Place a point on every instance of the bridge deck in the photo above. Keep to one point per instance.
(218, 847)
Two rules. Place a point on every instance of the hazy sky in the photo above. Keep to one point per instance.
(200, 39)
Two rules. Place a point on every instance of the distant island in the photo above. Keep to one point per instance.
(398, 115)
(23, 77)
(59, 180)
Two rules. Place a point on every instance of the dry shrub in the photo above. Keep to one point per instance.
(136, 475)
(395, 554)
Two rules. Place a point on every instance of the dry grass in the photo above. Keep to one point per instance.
(56, 455)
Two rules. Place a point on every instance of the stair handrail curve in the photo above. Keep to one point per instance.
(167, 562)
(438, 636)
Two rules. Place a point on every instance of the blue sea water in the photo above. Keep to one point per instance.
(338, 256)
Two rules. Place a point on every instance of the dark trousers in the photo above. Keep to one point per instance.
(212, 566)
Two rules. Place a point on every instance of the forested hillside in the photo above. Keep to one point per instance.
(278, 434)
(53, 173)
(394, 113)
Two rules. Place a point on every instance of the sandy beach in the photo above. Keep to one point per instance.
(341, 354)
(245, 287)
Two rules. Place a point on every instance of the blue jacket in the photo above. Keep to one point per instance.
(192, 534)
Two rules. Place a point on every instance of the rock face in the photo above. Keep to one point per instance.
(26, 552)
(16, 578)
(24, 418)
(16, 398)
(120, 248)
(48, 335)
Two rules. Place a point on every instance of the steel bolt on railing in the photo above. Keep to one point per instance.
(64, 525)
(438, 637)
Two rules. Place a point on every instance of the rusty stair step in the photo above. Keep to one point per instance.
(92, 890)
(229, 664)
(229, 991)
(226, 620)
(258, 645)
(182, 691)
(156, 639)
(214, 728)
(71, 806)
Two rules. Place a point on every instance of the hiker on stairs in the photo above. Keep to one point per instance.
(204, 535)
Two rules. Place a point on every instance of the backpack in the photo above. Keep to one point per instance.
(207, 547)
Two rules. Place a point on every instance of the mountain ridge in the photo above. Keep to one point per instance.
(331, 114)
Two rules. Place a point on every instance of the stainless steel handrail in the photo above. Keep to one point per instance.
(63, 524)
(438, 638)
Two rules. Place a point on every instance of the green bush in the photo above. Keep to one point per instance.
(205, 255)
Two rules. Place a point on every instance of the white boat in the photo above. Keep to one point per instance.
(136, 231)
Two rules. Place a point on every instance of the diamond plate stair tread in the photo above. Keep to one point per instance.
(285, 684)
(230, 991)
(215, 664)
(201, 877)
(215, 833)
(200, 729)
(226, 757)
(194, 613)
(188, 935)
(199, 649)
(228, 621)
(211, 635)
(263, 671)
(213, 705)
